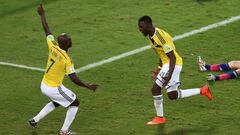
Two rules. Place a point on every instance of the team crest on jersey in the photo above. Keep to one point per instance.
(168, 48)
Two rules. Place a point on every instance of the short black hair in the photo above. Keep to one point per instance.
(145, 19)
(63, 39)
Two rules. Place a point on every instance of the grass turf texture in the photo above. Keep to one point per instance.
(123, 104)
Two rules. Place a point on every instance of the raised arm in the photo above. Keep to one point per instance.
(78, 82)
(43, 19)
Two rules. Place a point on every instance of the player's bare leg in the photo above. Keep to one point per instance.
(234, 65)
(158, 103)
(70, 116)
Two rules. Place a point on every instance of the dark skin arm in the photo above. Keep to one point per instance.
(160, 62)
(157, 70)
(172, 64)
(78, 82)
(41, 12)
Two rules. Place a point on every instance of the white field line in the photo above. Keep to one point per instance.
(21, 66)
(138, 50)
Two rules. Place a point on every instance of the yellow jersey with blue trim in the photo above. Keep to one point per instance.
(59, 64)
(162, 43)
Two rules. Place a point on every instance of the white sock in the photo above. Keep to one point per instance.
(45, 111)
(158, 103)
(70, 116)
(188, 92)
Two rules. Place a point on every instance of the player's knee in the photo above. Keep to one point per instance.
(75, 102)
(173, 95)
(56, 104)
(156, 90)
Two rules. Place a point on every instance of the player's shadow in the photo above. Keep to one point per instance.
(185, 131)
(160, 130)
(34, 132)
(202, 1)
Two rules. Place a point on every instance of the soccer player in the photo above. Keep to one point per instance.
(59, 64)
(233, 68)
(169, 74)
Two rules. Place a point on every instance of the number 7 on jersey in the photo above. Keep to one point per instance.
(52, 62)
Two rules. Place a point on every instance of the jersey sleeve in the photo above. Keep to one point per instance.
(69, 67)
(51, 41)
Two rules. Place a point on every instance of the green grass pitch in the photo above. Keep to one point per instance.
(123, 104)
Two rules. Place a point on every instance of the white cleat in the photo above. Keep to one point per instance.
(211, 77)
(201, 64)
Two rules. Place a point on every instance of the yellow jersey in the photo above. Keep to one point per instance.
(59, 64)
(162, 43)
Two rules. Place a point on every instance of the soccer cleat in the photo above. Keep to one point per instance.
(157, 120)
(32, 123)
(201, 64)
(205, 91)
(69, 132)
(211, 77)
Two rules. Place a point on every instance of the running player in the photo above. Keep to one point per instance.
(168, 76)
(59, 64)
(233, 68)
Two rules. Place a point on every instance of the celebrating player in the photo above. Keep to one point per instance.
(171, 65)
(59, 64)
(233, 68)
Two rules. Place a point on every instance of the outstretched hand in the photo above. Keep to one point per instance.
(40, 10)
(92, 87)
